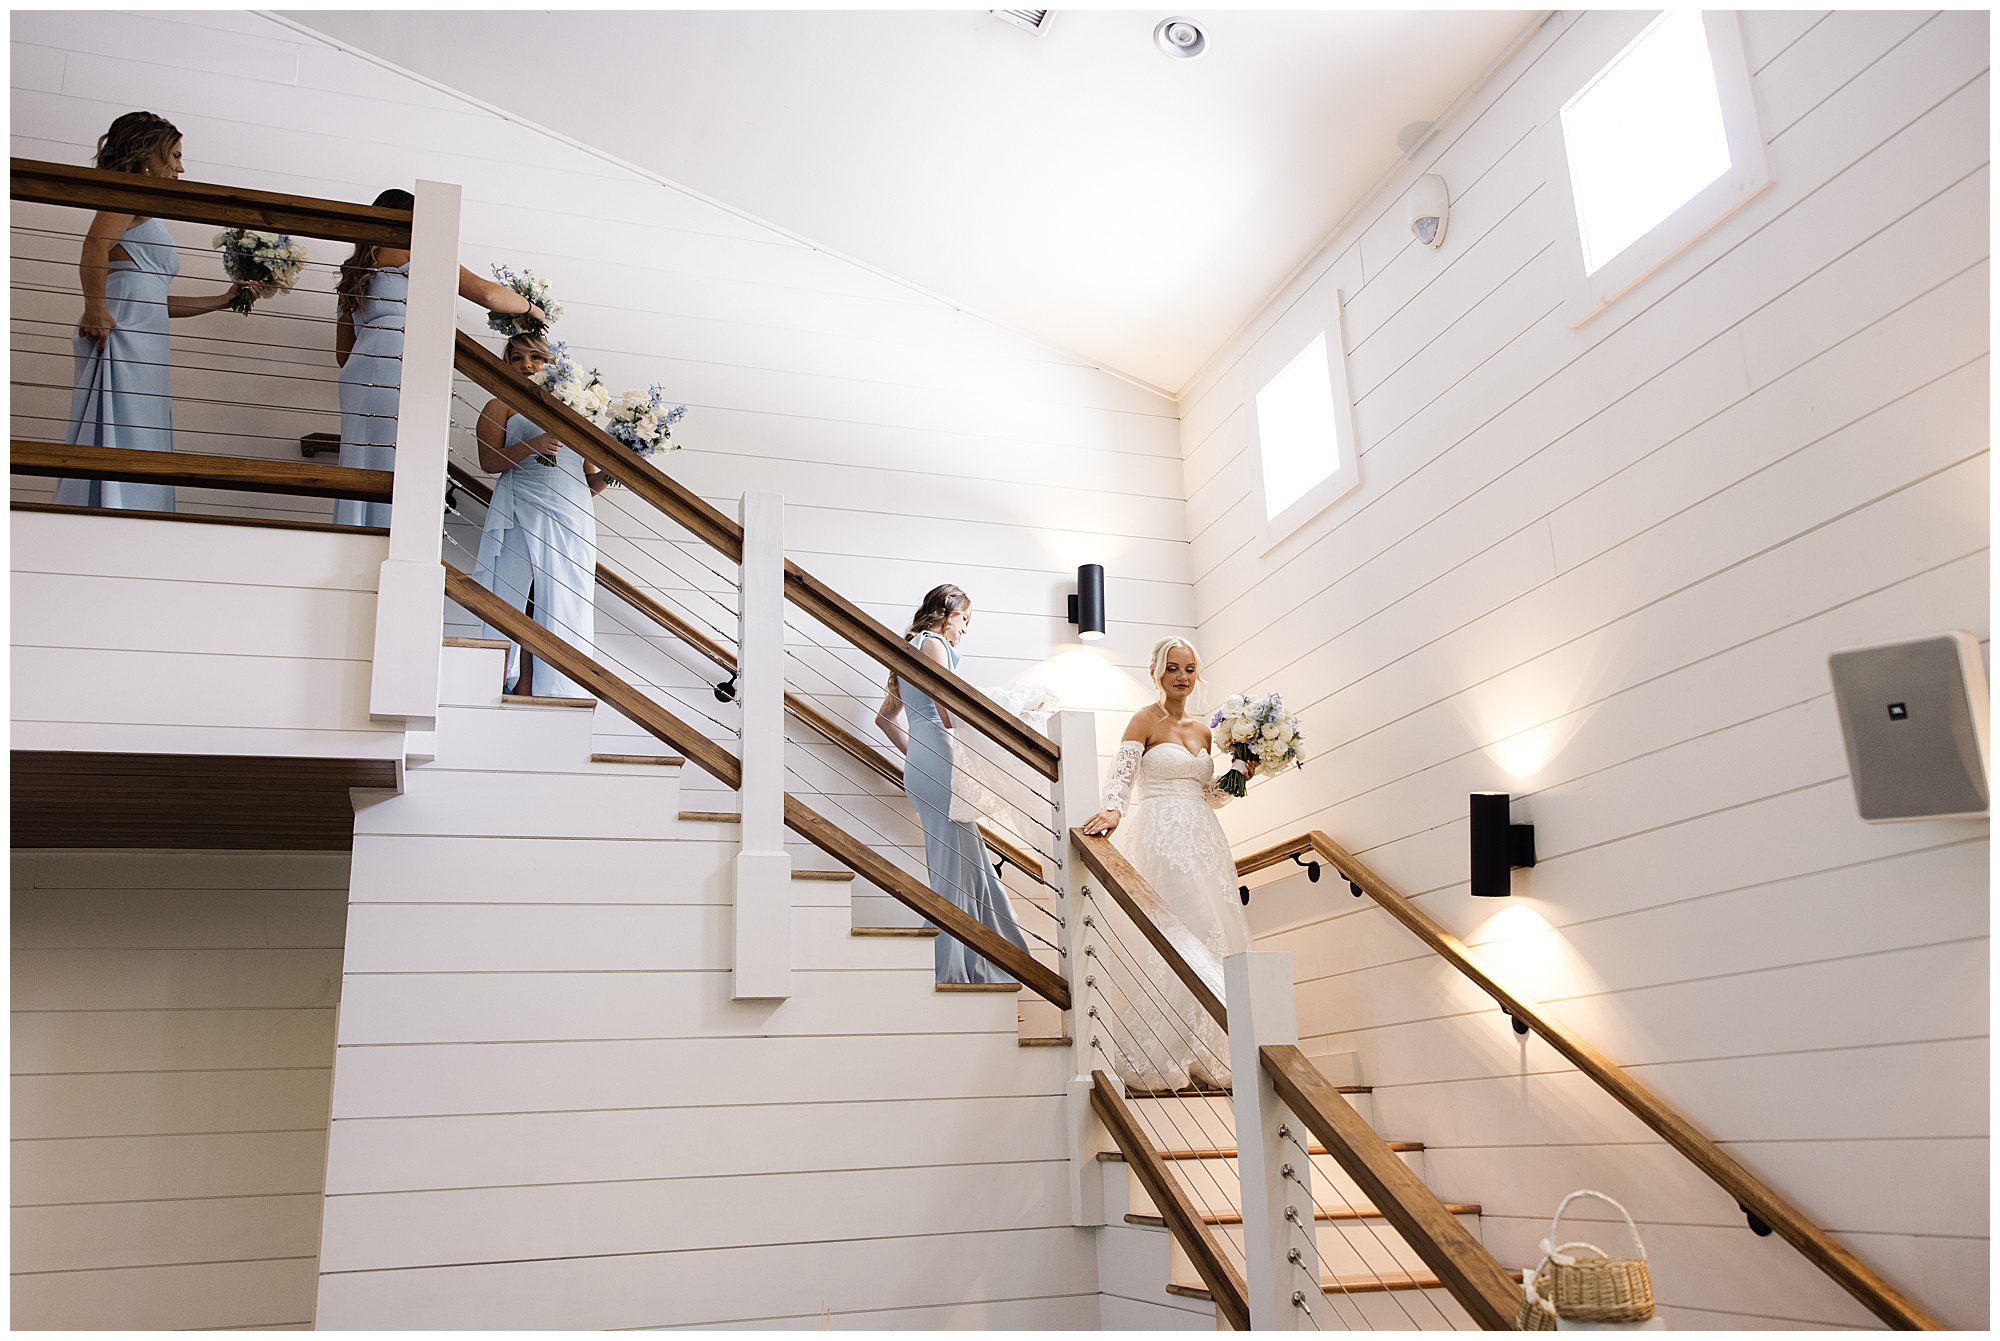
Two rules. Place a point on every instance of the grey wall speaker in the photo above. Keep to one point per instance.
(1914, 717)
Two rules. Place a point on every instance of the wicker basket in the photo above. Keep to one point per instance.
(1583, 1283)
(1537, 1313)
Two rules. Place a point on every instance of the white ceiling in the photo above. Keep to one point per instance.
(1075, 184)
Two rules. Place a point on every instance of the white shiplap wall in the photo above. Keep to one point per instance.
(173, 1027)
(915, 442)
(548, 1111)
(1602, 569)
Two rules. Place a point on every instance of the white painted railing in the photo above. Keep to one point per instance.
(762, 960)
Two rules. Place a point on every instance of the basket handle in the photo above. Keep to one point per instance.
(1555, 1226)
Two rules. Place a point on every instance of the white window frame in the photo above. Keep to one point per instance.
(1346, 476)
(1749, 173)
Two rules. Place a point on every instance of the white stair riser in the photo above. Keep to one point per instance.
(1347, 1248)
(470, 676)
(513, 737)
(1215, 1185)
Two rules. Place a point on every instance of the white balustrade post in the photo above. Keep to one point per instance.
(409, 599)
(762, 965)
(1076, 796)
(1258, 988)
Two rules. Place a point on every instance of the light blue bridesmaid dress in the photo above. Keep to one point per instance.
(541, 537)
(122, 398)
(370, 386)
(954, 853)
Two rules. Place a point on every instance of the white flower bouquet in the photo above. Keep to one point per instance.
(643, 421)
(582, 389)
(253, 257)
(1261, 735)
(536, 290)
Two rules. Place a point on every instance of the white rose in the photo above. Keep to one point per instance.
(1241, 730)
(1271, 731)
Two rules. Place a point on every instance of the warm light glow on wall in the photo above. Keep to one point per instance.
(1526, 718)
(1527, 955)
(1082, 678)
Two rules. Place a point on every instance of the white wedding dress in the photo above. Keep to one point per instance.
(1161, 1038)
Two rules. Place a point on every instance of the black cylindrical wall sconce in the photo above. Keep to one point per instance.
(1498, 845)
(1086, 608)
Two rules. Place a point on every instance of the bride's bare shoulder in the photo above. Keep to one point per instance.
(1140, 728)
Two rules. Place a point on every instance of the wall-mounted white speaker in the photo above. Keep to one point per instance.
(1914, 717)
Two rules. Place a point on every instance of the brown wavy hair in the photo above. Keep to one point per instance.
(134, 140)
(358, 269)
(940, 603)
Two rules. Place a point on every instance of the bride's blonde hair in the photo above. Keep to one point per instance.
(1157, 665)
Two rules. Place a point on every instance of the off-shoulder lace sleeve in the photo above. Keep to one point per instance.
(1211, 791)
(1124, 768)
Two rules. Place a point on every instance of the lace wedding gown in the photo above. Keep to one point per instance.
(1160, 1037)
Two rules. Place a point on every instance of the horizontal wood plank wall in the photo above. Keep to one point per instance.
(550, 1112)
(173, 1024)
(914, 443)
(1602, 569)
(137, 636)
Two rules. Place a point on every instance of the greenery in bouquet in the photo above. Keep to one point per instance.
(1261, 735)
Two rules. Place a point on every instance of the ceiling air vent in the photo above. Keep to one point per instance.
(1034, 20)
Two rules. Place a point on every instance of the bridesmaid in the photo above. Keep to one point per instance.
(954, 853)
(370, 297)
(539, 549)
(122, 397)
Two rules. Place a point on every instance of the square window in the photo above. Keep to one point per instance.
(1301, 425)
(1296, 433)
(1644, 136)
(1662, 144)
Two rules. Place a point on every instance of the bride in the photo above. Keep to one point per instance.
(1162, 1039)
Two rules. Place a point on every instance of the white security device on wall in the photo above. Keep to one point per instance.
(1913, 715)
(1430, 206)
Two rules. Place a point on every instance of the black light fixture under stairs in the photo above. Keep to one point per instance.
(1498, 845)
(1086, 607)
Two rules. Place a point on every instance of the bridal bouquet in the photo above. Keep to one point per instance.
(536, 291)
(582, 389)
(643, 421)
(251, 257)
(1260, 734)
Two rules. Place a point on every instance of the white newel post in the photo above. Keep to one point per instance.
(409, 601)
(763, 951)
(1076, 796)
(1258, 988)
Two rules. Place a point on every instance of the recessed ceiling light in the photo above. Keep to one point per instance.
(1182, 39)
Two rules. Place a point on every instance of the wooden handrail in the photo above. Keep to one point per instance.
(303, 479)
(1182, 949)
(633, 595)
(1461, 1263)
(47, 183)
(710, 526)
(720, 764)
(1217, 1272)
(1749, 1192)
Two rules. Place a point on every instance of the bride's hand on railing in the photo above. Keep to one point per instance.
(1104, 821)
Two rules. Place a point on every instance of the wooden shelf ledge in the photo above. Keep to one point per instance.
(710, 817)
(892, 931)
(544, 701)
(978, 986)
(828, 877)
(658, 760)
(488, 644)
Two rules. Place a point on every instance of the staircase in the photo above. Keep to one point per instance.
(1371, 1278)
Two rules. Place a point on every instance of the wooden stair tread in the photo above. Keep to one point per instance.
(1377, 1283)
(1046, 1042)
(543, 701)
(490, 644)
(710, 817)
(1322, 1215)
(977, 986)
(829, 876)
(892, 931)
(1229, 1151)
(663, 760)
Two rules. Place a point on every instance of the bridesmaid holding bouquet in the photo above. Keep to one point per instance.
(123, 397)
(370, 298)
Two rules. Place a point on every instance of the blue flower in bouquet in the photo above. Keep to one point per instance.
(643, 421)
(536, 290)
